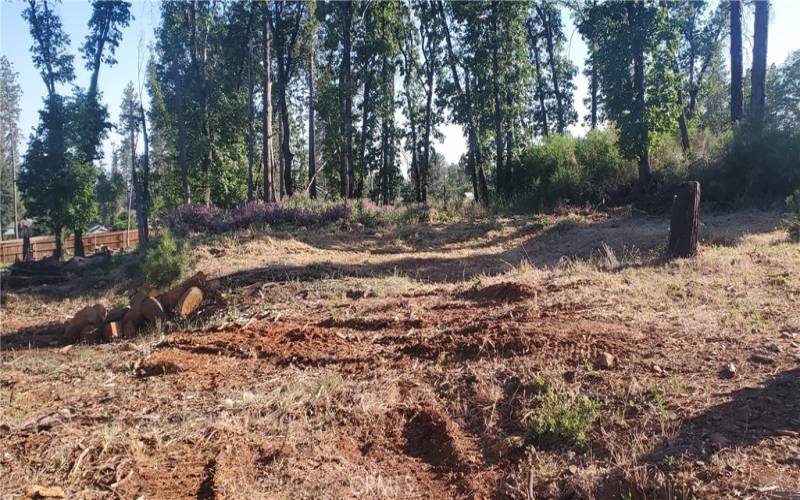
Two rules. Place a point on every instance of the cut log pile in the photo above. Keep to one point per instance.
(96, 323)
(50, 270)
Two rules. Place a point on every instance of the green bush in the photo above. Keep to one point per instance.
(754, 167)
(669, 163)
(605, 169)
(560, 418)
(166, 261)
(566, 169)
(547, 173)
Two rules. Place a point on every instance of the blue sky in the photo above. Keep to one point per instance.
(15, 42)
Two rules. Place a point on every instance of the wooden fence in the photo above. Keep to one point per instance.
(42, 246)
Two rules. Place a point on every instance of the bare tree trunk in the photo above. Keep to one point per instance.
(737, 92)
(545, 17)
(430, 69)
(498, 107)
(137, 197)
(58, 252)
(593, 85)
(79, 251)
(509, 147)
(130, 204)
(684, 128)
(199, 56)
(250, 124)
(183, 164)
(14, 182)
(269, 193)
(483, 188)
(539, 81)
(138, 206)
(144, 224)
(471, 169)
(312, 155)
(384, 181)
(479, 182)
(27, 251)
(281, 178)
(347, 97)
(499, 140)
(759, 71)
(286, 154)
(412, 120)
(637, 51)
(685, 144)
(362, 154)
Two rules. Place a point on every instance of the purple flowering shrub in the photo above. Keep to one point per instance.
(201, 219)
(194, 218)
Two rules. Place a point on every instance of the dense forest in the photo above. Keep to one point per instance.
(249, 101)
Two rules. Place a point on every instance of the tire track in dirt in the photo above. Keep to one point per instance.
(420, 449)
(512, 323)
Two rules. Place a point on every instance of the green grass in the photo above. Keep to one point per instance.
(559, 417)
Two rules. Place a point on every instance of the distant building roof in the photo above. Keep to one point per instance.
(97, 228)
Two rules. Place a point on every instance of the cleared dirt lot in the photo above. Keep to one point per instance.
(428, 361)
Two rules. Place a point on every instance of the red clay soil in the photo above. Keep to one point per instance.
(436, 441)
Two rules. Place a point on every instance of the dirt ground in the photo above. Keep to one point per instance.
(424, 361)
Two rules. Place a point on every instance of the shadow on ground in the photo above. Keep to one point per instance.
(752, 415)
(630, 239)
(47, 335)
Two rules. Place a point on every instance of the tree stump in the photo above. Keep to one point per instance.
(685, 220)
(27, 251)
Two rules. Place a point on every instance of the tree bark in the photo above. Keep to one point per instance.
(286, 154)
(737, 91)
(14, 182)
(593, 86)
(539, 81)
(684, 128)
(58, 234)
(509, 146)
(686, 145)
(312, 155)
(499, 139)
(183, 164)
(285, 44)
(407, 49)
(250, 124)
(483, 188)
(365, 111)
(145, 182)
(683, 227)
(27, 251)
(269, 193)
(199, 55)
(281, 177)
(548, 32)
(347, 97)
(430, 69)
(384, 173)
(137, 196)
(759, 70)
(637, 50)
(78, 247)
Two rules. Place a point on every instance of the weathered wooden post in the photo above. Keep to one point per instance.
(685, 220)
